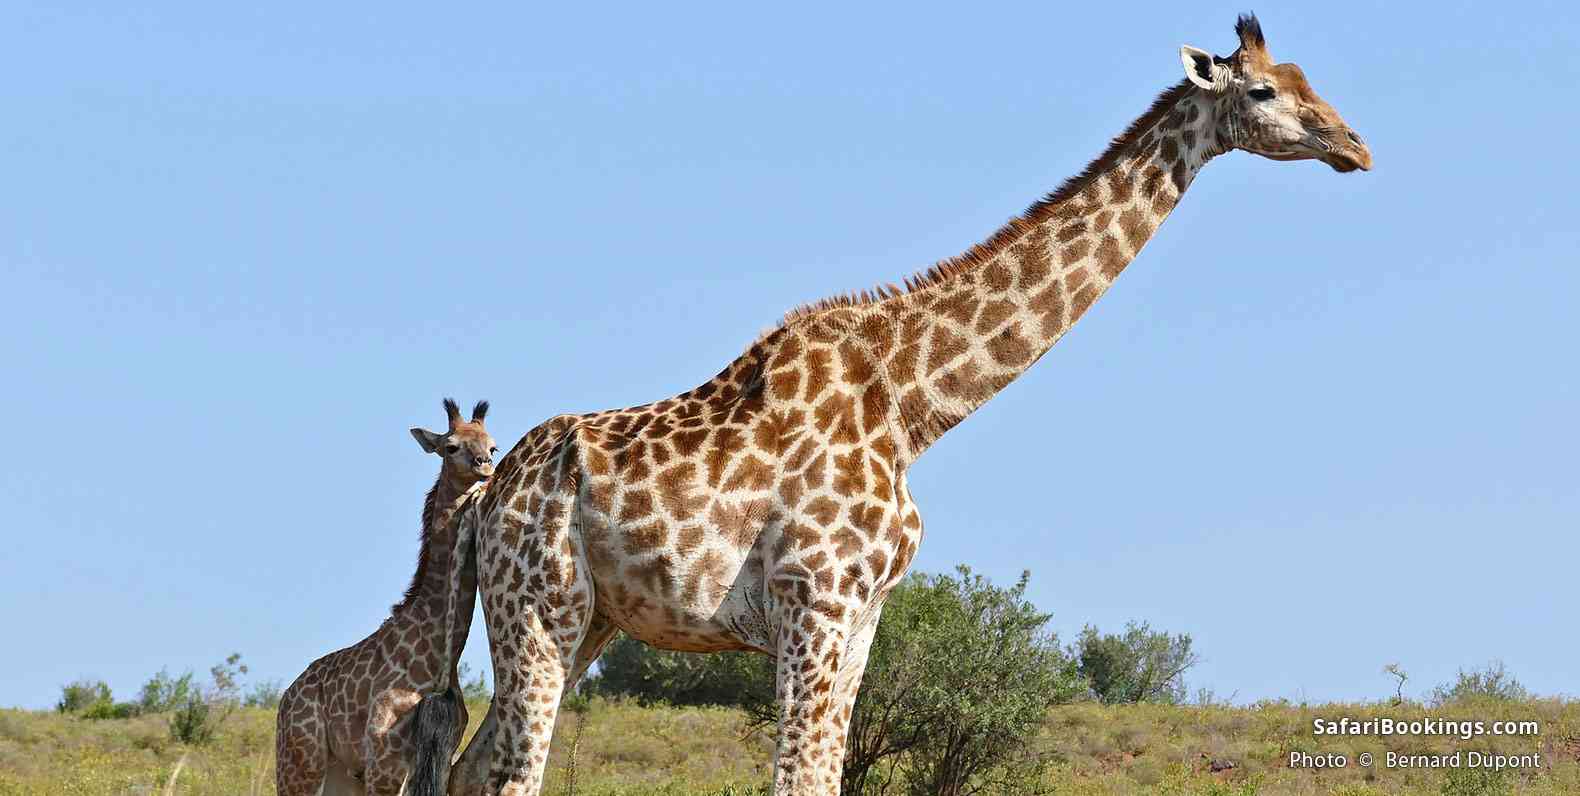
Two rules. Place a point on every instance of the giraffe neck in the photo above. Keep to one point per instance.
(428, 592)
(975, 323)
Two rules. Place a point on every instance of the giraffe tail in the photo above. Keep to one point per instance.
(437, 726)
(437, 731)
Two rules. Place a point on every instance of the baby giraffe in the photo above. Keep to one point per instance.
(345, 725)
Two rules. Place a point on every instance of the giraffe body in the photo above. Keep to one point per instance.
(344, 724)
(767, 509)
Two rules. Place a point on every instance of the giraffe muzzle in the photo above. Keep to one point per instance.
(1348, 152)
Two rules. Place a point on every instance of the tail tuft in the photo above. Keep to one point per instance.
(435, 732)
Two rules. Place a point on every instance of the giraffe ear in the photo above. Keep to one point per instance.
(427, 439)
(1203, 69)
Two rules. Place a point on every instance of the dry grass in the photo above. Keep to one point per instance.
(1156, 748)
(627, 750)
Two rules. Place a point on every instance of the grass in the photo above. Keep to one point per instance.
(627, 750)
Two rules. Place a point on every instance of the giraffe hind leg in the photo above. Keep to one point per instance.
(301, 751)
(535, 633)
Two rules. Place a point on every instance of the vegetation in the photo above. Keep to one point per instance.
(164, 693)
(626, 749)
(79, 696)
(960, 676)
(1489, 683)
(473, 689)
(628, 668)
(1140, 665)
(966, 692)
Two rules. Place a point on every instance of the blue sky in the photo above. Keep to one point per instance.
(1324, 423)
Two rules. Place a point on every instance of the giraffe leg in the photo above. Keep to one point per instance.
(847, 683)
(535, 632)
(385, 744)
(813, 709)
(599, 632)
(301, 750)
(471, 769)
(470, 772)
(530, 671)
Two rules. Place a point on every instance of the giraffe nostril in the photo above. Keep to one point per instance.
(1354, 139)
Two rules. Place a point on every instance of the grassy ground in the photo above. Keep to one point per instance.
(625, 750)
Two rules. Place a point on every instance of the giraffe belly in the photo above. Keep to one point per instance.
(703, 597)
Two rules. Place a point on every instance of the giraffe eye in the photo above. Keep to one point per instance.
(451, 448)
(1261, 94)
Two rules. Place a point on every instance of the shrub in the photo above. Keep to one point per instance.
(82, 695)
(476, 690)
(959, 679)
(1490, 682)
(105, 709)
(1139, 666)
(164, 693)
(263, 695)
(1475, 782)
(632, 669)
(193, 722)
(198, 717)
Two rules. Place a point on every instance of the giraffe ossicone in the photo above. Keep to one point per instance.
(768, 509)
(346, 724)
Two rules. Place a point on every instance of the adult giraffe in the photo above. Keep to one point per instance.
(767, 509)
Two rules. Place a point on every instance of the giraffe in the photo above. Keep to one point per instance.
(768, 508)
(342, 724)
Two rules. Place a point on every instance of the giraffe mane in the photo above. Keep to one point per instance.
(1038, 212)
(429, 506)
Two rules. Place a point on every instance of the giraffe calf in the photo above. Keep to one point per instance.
(348, 724)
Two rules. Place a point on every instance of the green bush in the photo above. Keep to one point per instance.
(164, 693)
(193, 722)
(83, 695)
(1490, 682)
(264, 695)
(111, 710)
(959, 679)
(630, 668)
(1475, 782)
(1138, 666)
(198, 717)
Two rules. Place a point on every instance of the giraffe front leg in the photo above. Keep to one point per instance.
(847, 683)
(814, 708)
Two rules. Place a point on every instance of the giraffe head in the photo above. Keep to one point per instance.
(1269, 109)
(467, 449)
